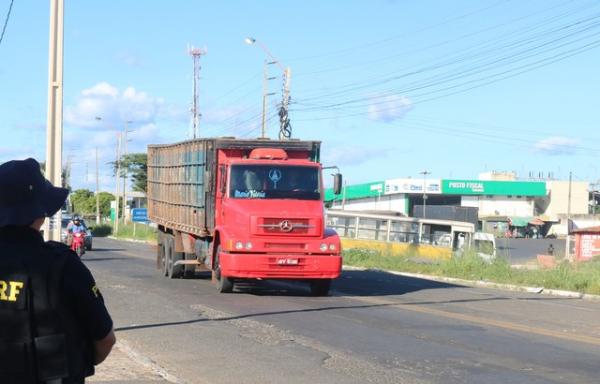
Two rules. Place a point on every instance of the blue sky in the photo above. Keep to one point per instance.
(391, 88)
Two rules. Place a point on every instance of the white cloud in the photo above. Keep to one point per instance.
(389, 108)
(130, 59)
(557, 145)
(113, 106)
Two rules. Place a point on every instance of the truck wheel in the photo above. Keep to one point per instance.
(320, 287)
(160, 251)
(168, 248)
(224, 284)
(174, 271)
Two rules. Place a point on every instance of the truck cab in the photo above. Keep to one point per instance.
(270, 222)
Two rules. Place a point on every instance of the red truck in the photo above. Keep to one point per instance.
(243, 209)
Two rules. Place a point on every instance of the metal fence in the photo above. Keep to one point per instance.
(387, 228)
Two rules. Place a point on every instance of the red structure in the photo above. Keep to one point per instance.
(587, 243)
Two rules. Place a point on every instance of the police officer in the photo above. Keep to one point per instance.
(54, 326)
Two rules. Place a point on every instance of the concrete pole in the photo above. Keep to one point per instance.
(97, 190)
(283, 134)
(568, 239)
(425, 173)
(125, 174)
(264, 99)
(117, 183)
(55, 106)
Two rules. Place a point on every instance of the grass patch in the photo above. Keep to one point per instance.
(581, 277)
(137, 231)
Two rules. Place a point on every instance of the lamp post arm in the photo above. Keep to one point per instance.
(264, 48)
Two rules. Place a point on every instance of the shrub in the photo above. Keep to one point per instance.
(102, 230)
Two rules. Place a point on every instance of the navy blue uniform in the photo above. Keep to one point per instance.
(49, 305)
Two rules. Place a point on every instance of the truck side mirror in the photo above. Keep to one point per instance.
(337, 183)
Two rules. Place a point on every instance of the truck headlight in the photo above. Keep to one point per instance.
(323, 247)
(332, 247)
(240, 245)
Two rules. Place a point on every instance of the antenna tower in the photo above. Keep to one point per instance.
(196, 53)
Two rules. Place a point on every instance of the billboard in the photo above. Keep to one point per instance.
(433, 186)
(493, 187)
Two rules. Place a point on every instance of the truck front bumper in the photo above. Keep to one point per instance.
(280, 266)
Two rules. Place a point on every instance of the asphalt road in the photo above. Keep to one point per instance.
(523, 251)
(375, 328)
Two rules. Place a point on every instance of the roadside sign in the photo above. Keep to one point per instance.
(139, 215)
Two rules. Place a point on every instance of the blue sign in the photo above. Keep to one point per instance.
(140, 215)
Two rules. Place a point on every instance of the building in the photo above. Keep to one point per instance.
(497, 201)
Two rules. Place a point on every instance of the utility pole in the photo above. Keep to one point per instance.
(266, 94)
(568, 240)
(425, 173)
(97, 190)
(54, 134)
(196, 53)
(117, 183)
(285, 129)
(125, 170)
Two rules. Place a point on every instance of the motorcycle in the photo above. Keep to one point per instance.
(78, 243)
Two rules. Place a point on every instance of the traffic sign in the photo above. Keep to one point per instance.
(139, 215)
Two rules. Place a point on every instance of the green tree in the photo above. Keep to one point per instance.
(136, 164)
(105, 199)
(83, 201)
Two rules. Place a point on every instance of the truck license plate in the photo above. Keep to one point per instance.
(287, 261)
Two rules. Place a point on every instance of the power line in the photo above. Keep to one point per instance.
(492, 64)
(524, 51)
(6, 20)
(402, 55)
(352, 50)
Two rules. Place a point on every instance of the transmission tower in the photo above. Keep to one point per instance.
(196, 53)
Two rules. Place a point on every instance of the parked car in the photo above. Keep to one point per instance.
(64, 233)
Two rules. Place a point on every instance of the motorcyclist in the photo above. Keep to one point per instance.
(76, 226)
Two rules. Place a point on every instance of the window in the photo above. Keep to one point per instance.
(266, 181)
(372, 229)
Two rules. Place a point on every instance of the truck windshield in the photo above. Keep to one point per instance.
(274, 182)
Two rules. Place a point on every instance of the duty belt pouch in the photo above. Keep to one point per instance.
(51, 357)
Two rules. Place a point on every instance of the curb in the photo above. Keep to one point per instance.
(487, 284)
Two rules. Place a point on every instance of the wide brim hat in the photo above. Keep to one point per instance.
(26, 195)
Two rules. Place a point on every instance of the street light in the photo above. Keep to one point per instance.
(125, 174)
(284, 122)
(117, 192)
(425, 173)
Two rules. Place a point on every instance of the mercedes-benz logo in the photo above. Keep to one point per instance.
(275, 175)
(286, 226)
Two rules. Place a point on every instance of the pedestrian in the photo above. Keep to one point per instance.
(550, 250)
(54, 326)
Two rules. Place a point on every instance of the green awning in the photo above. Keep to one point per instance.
(519, 221)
